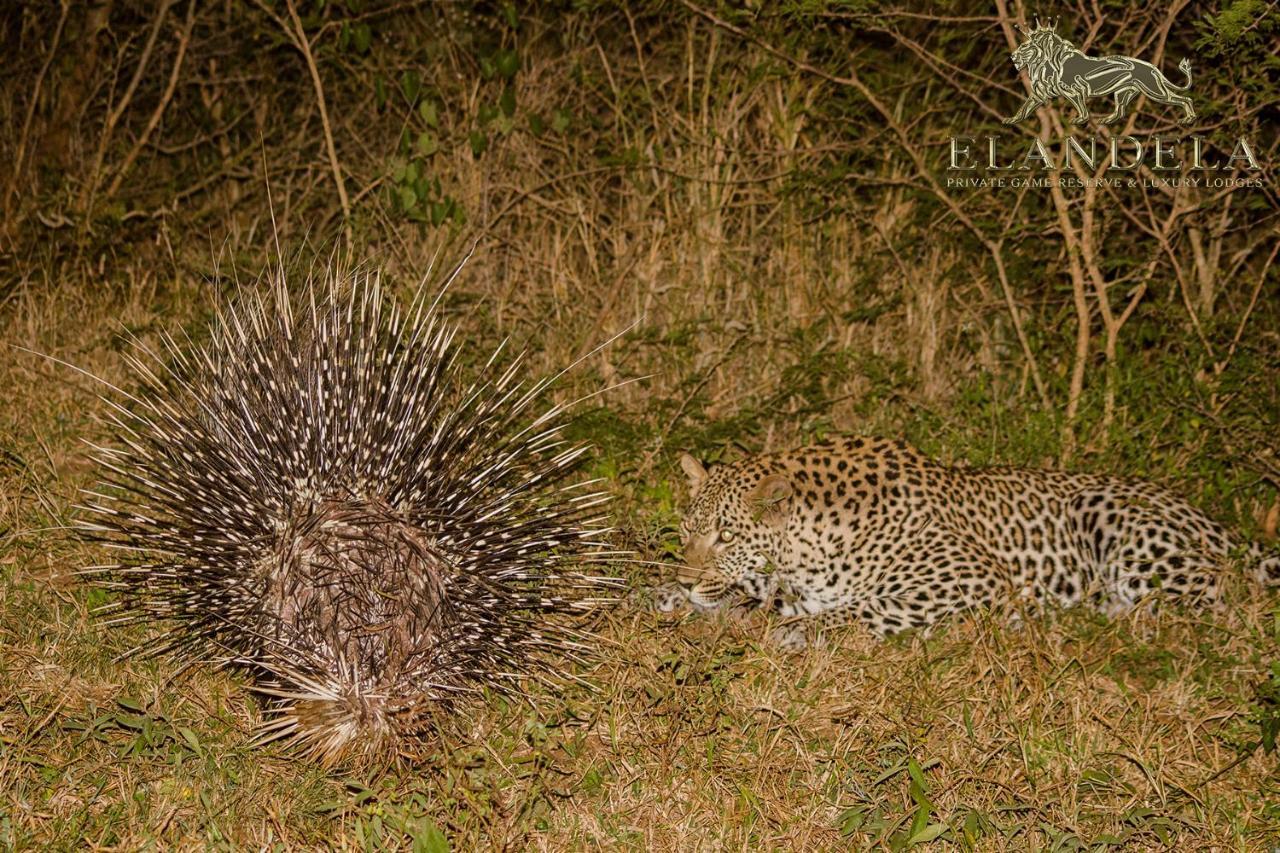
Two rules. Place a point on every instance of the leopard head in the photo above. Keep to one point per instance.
(736, 520)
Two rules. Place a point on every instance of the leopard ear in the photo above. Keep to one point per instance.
(694, 471)
(770, 500)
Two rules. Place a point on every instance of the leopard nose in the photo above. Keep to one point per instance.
(690, 572)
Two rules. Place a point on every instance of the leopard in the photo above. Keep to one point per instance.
(870, 531)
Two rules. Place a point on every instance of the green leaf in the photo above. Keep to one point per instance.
(191, 740)
(407, 197)
(890, 773)
(427, 109)
(430, 840)
(130, 721)
(592, 781)
(507, 63)
(851, 820)
(537, 126)
(479, 142)
(363, 793)
(919, 795)
(507, 103)
(972, 826)
(560, 120)
(509, 12)
(411, 85)
(427, 143)
(362, 37)
(929, 833)
(917, 774)
(379, 92)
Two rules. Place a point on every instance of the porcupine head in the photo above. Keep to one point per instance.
(321, 494)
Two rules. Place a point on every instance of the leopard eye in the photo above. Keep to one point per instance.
(726, 535)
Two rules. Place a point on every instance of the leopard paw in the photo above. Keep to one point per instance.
(789, 636)
(669, 598)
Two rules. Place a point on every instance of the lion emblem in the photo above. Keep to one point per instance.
(1057, 67)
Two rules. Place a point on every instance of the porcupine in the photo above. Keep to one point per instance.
(318, 494)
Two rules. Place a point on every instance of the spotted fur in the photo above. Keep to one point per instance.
(869, 530)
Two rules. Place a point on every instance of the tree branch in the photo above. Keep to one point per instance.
(184, 40)
(299, 38)
(993, 246)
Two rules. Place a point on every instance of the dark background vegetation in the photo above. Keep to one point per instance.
(755, 195)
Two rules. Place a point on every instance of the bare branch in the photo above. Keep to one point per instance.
(299, 38)
(113, 118)
(184, 40)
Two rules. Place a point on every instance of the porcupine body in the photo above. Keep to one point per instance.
(319, 494)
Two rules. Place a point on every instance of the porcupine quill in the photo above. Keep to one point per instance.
(320, 495)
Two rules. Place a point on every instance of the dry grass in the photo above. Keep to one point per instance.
(1071, 730)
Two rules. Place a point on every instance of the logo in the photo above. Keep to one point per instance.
(1057, 68)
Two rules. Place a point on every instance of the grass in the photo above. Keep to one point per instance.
(1070, 731)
